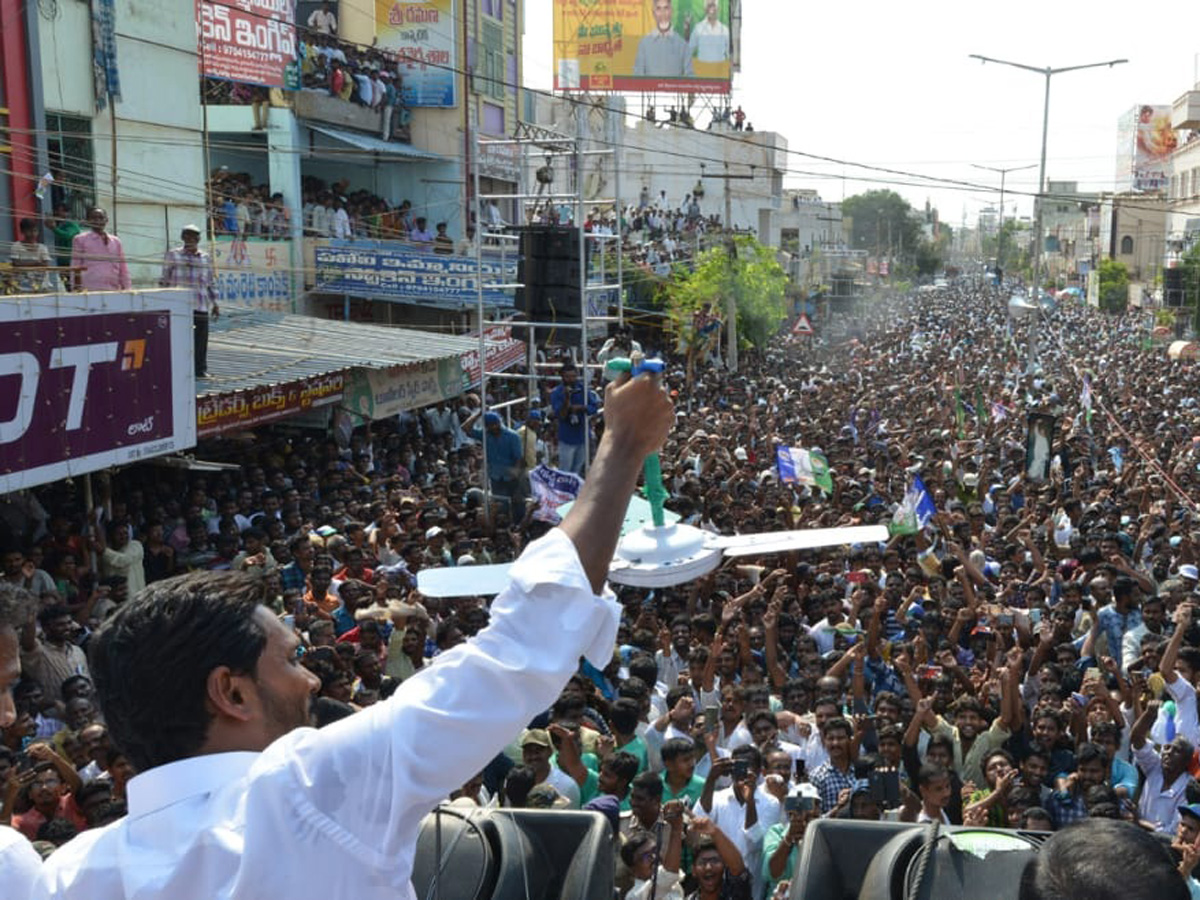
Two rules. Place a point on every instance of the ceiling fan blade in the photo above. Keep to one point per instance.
(804, 539)
(463, 581)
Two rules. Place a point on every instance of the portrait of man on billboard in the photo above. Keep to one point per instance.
(709, 41)
(663, 53)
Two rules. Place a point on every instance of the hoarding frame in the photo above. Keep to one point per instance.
(83, 385)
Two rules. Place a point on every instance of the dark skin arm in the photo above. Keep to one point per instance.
(637, 419)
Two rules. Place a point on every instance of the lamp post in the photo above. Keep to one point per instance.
(1000, 230)
(1047, 72)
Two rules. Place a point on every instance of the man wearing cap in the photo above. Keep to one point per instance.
(536, 751)
(1187, 836)
(187, 266)
(505, 457)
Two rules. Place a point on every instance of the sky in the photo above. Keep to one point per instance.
(891, 85)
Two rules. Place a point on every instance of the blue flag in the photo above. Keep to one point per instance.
(926, 509)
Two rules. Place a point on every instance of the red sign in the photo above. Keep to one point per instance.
(503, 352)
(803, 325)
(83, 389)
(218, 413)
(252, 41)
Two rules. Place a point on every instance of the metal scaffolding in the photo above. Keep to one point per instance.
(536, 143)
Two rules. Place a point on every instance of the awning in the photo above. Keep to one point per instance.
(376, 145)
(251, 348)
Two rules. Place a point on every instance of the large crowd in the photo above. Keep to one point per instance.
(1026, 659)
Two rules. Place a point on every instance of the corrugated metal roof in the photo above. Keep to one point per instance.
(250, 348)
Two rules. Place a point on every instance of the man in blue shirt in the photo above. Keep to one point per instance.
(571, 409)
(505, 459)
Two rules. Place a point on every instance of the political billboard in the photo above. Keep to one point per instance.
(1145, 142)
(388, 270)
(89, 381)
(251, 41)
(252, 272)
(421, 36)
(642, 45)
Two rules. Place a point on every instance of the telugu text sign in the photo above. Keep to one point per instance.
(254, 273)
(252, 41)
(382, 270)
(379, 393)
(421, 37)
(85, 388)
(621, 45)
(502, 351)
(218, 413)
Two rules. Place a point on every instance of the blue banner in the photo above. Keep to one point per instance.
(385, 270)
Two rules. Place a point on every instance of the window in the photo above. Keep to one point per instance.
(493, 8)
(1126, 245)
(493, 119)
(1196, 181)
(69, 142)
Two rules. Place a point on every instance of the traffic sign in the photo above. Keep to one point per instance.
(803, 325)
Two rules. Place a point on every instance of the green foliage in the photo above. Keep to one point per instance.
(754, 277)
(870, 215)
(1114, 285)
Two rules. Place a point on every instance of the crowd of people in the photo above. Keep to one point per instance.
(1027, 658)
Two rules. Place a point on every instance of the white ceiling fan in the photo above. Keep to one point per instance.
(656, 550)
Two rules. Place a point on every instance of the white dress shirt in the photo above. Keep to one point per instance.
(1160, 802)
(336, 812)
(1187, 725)
(730, 816)
(20, 864)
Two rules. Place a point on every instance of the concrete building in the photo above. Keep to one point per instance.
(1071, 227)
(1183, 197)
(147, 154)
(1133, 231)
(740, 173)
(809, 228)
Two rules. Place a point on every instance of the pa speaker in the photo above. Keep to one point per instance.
(514, 854)
(843, 858)
(1173, 287)
(550, 273)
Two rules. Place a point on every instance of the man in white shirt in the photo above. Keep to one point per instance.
(743, 811)
(323, 21)
(202, 688)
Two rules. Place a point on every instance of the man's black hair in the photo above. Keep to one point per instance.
(152, 659)
(676, 747)
(1102, 859)
(624, 765)
(647, 783)
(624, 715)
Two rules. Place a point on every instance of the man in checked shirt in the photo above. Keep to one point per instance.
(190, 267)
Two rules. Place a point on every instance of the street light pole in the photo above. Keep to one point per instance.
(1000, 230)
(1047, 72)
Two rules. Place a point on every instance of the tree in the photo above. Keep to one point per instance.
(872, 215)
(744, 269)
(1114, 285)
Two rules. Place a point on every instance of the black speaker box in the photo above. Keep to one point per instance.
(514, 854)
(844, 859)
(1173, 287)
(550, 271)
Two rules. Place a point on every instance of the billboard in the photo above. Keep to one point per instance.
(254, 273)
(381, 393)
(251, 41)
(502, 351)
(89, 381)
(421, 36)
(642, 45)
(386, 270)
(1145, 142)
(218, 413)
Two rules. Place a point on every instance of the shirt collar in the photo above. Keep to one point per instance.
(163, 786)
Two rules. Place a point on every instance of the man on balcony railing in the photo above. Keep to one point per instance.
(99, 257)
(187, 266)
(30, 253)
